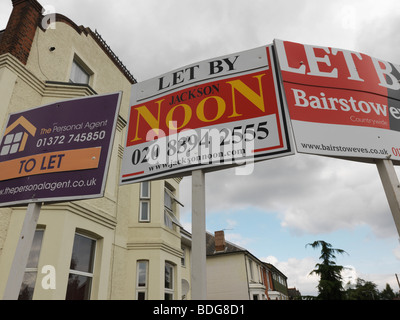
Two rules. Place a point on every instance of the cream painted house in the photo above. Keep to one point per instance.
(126, 245)
(233, 273)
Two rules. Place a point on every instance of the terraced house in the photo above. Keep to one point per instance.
(235, 273)
(126, 245)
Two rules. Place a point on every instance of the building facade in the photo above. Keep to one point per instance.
(277, 283)
(126, 245)
(234, 273)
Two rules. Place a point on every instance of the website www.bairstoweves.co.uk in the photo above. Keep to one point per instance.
(335, 148)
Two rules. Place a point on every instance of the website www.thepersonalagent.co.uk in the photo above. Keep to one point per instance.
(52, 186)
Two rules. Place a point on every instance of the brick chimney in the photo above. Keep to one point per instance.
(219, 241)
(21, 28)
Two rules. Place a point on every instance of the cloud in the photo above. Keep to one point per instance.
(238, 239)
(5, 11)
(310, 194)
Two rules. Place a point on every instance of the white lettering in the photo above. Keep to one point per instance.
(280, 48)
(313, 62)
(384, 69)
(300, 94)
(348, 57)
(330, 103)
(49, 280)
(395, 112)
(378, 108)
(343, 105)
(170, 310)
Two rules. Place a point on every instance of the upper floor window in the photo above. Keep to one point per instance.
(251, 269)
(183, 258)
(79, 72)
(144, 210)
(169, 207)
(81, 269)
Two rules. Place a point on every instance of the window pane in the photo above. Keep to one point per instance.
(168, 276)
(33, 258)
(144, 210)
(78, 287)
(145, 189)
(167, 220)
(27, 287)
(168, 296)
(83, 254)
(141, 296)
(167, 200)
(142, 273)
(78, 75)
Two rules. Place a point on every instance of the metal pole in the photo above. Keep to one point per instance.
(199, 274)
(391, 186)
(22, 252)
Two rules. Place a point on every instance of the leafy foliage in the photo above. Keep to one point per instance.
(330, 283)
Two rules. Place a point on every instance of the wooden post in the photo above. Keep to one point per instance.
(21, 256)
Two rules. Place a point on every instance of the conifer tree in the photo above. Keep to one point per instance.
(330, 283)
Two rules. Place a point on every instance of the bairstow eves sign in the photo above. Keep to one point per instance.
(341, 103)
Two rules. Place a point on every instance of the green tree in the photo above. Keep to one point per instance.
(387, 293)
(363, 290)
(330, 283)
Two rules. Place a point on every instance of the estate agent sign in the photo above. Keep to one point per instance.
(59, 151)
(341, 103)
(209, 115)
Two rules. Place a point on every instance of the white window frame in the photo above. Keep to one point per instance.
(251, 270)
(142, 289)
(169, 215)
(170, 291)
(142, 184)
(83, 273)
(183, 258)
(144, 216)
(144, 199)
(79, 66)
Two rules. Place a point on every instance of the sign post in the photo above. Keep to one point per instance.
(198, 266)
(344, 104)
(21, 256)
(391, 186)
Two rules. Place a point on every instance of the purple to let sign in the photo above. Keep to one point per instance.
(58, 152)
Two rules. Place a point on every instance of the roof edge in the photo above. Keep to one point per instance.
(99, 40)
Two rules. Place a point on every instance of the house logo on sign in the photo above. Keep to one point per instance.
(15, 137)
